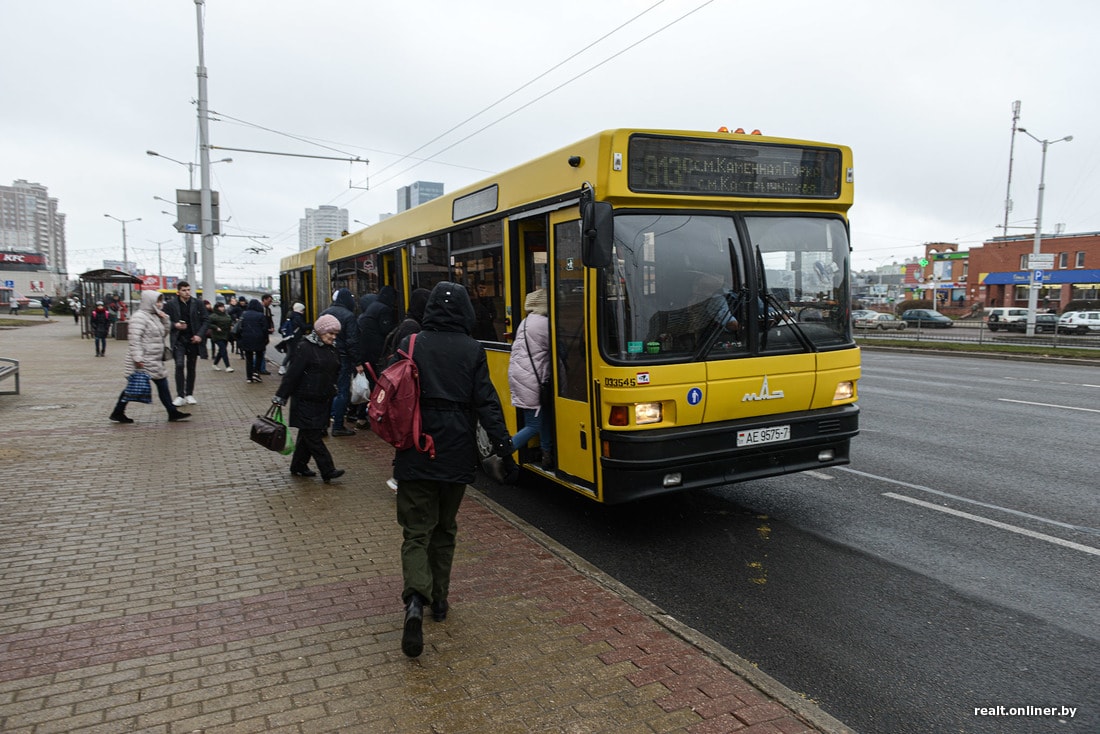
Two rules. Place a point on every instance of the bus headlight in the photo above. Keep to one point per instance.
(844, 391)
(645, 413)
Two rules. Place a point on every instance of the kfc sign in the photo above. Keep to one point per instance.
(19, 258)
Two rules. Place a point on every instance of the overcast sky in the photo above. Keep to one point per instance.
(922, 92)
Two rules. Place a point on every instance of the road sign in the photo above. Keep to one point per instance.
(1037, 276)
(1040, 261)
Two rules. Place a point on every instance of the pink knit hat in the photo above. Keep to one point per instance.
(326, 324)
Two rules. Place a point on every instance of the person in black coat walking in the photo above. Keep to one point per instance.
(455, 395)
(253, 337)
(310, 383)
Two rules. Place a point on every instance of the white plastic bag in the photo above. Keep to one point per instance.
(360, 389)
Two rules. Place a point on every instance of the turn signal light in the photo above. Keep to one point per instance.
(619, 416)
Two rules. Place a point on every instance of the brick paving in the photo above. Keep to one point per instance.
(173, 577)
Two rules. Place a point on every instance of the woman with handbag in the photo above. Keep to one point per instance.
(310, 383)
(145, 353)
(528, 372)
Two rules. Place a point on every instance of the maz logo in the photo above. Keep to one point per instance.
(764, 394)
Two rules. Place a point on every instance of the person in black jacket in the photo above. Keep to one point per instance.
(310, 383)
(187, 317)
(455, 395)
(252, 338)
(347, 344)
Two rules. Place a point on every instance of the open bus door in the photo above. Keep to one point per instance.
(576, 433)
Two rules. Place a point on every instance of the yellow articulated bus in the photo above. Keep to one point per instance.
(699, 290)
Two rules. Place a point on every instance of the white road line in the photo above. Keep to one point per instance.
(994, 523)
(960, 498)
(1049, 405)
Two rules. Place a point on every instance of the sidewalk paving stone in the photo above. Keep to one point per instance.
(174, 577)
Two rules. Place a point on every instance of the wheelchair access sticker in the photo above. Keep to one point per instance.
(694, 396)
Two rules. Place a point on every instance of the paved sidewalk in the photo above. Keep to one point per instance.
(173, 577)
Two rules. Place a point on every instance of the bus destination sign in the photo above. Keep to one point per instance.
(663, 165)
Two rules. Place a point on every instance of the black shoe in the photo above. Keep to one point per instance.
(178, 416)
(343, 431)
(336, 473)
(548, 460)
(412, 639)
(265, 373)
(439, 610)
(303, 472)
(120, 417)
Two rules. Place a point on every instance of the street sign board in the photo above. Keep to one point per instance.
(1037, 276)
(1040, 261)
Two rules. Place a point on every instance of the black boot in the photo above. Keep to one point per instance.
(440, 609)
(412, 640)
(119, 415)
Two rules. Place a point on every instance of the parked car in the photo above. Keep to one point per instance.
(927, 318)
(862, 314)
(1044, 322)
(882, 321)
(1000, 318)
(1079, 322)
(29, 303)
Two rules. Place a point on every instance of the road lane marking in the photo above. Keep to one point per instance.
(959, 498)
(994, 523)
(1049, 405)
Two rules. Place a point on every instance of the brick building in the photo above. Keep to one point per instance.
(996, 273)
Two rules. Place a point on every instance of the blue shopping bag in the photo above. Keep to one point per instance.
(139, 389)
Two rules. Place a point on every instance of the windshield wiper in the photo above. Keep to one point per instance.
(770, 300)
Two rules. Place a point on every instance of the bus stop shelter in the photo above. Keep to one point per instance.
(98, 285)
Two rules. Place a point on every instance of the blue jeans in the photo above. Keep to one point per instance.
(532, 426)
(343, 391)
(101, 345)
(221, 354)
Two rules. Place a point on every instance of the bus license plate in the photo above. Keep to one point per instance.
(770, 434)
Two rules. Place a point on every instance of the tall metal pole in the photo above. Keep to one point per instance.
(208, 285)
(125, 254)
(1011, 148)
(189, 238)
(1033, 286)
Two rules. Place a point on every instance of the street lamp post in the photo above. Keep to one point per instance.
(189, 239)
(125, 256)
(1033, 287)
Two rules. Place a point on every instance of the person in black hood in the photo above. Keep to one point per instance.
(455, 395)
(376, 320)
(347, 345)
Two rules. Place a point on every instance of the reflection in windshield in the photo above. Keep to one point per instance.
(678, 287)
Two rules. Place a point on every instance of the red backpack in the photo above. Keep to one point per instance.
(394, 407)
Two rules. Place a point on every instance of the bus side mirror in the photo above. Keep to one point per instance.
(597, 233)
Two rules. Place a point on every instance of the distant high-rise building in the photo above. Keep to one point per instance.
(417, 193)
(324, 222)
(29, 220)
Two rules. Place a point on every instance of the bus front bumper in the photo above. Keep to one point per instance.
(645, 463)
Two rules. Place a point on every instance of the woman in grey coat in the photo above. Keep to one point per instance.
(145, 351)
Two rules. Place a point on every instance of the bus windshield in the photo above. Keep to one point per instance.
(706, 286)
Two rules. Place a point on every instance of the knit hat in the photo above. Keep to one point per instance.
(536, 302)
(326, 324)
(299, 308)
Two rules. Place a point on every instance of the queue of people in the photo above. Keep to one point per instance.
(456, 396)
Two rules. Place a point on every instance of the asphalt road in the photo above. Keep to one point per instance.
(954, 565)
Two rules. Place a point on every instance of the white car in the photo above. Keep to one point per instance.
(1079, 322)
(999, 318)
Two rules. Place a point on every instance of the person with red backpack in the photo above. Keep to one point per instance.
(455, 395)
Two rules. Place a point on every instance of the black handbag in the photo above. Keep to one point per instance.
(269, 430)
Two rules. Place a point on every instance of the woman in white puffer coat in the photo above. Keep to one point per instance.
(147, 330)
(528, 368)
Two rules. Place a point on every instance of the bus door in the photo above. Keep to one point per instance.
(576, 435)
